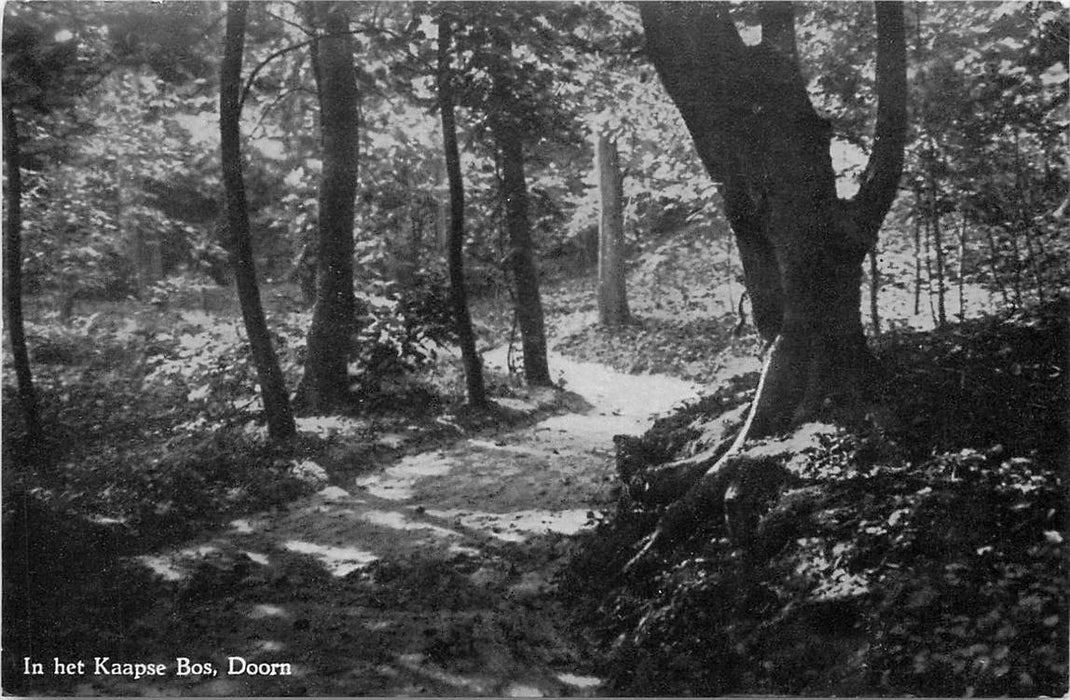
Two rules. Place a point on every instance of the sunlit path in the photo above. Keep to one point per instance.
(436, 570)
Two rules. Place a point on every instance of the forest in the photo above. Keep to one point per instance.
(535, 348)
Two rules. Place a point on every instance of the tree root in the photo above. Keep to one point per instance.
(704, 493)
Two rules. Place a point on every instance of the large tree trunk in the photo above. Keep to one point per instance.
(13, 277)
(802, 249)
(510, 144)
(612, 296)
(462, 319)
(273, 392)
(325, 384)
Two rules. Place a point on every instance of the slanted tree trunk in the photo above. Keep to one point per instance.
(273, 392)
(16, 328)
(325, 384)
(612, 296)
(802, 248)
(462, 319)
(510, 144)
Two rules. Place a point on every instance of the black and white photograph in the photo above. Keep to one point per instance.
(524, 349)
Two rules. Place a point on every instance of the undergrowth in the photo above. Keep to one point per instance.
(924, 556)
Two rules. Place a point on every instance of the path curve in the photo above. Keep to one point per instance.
(431, 576)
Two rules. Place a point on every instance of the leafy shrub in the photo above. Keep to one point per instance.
(401, 330)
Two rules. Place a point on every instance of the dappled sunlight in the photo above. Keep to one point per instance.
(328, 426)
(333, 493)
(594, 428)
(504, 447)
(396, 483)
(309, 472)
(806, 436)
(257, 558)
(415, 664)
(339, 561)
(162, 567)
(242, 526)
(267, 646)
(515, 404)
(814, 562)
(378, 625)
(199, 550)
(584, 682)
(263, 610)
(397, 521)
(517, 526)
(635, 395)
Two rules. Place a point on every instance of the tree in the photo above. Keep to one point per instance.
(802, 248)
(612, 298)
(325, 384)
(757, 133)
(509, 140)
(13, 275)
(43, 71)
(273, 392)
(473, 364)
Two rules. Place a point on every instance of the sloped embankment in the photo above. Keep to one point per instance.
(925, 556)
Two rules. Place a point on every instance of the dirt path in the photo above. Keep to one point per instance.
(431, 576)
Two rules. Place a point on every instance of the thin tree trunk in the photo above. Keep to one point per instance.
(929, 265)
(146, 250)
(731, 273)
(325, 384)
(874, 290)
(917, 251)
(962, 266)
(16, 328)
(938, 245)
(612, 296)
(993, 258)
(1024, 207)
(273, 392)
(1016, 278)
(514, 191)
(462, 319)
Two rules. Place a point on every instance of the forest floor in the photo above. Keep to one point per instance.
(433, 575)
(429, 552)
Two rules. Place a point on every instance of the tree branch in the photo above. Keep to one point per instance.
(881, 178)
(778, 28)
(260, 66)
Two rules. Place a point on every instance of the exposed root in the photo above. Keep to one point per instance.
(700, 493)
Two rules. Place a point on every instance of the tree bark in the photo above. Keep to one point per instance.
(325, 384)
(612, 295)
(462, 319)
(917, 251)
(938, 239)
(509, 141)
(16, 328)
(273, 392)
(962, 266)
(874, 291)
(802, 249)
